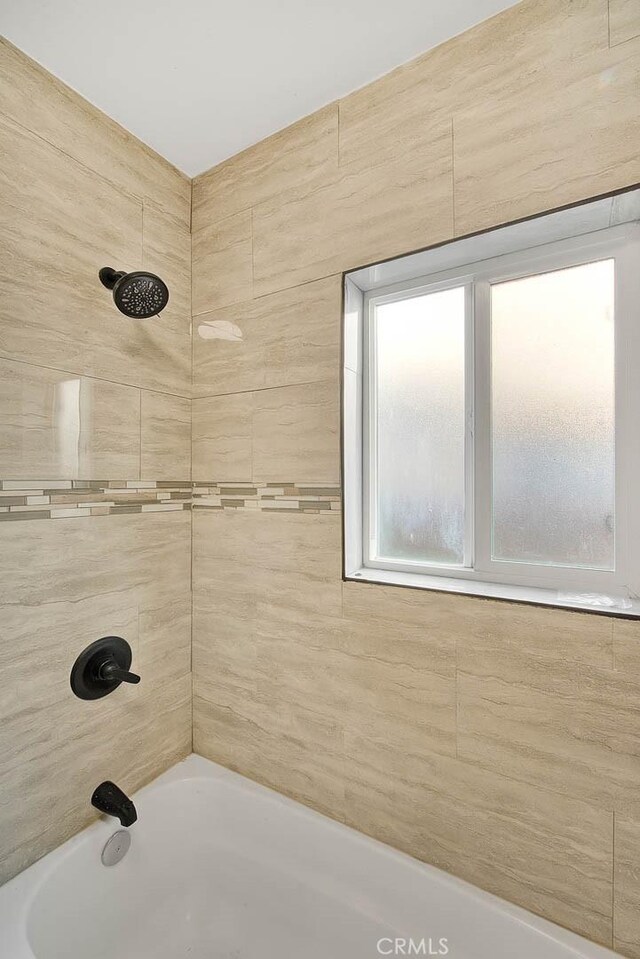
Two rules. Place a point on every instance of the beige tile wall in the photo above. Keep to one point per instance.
(165, 436)
(500, 742)
(65, 583)
(35, 99)
(86, 394)
(65, 215)
(625, 20)
(269, 435)
(288, 338)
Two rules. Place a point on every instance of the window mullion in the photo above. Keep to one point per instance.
(482, 425)
(469, 403)
(627, 333)
(369, 431)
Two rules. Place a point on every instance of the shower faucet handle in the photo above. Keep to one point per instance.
(110, 671)
(101, 667)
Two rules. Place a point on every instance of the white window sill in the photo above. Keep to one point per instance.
(607, 605)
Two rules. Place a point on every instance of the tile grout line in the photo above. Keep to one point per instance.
(613, 645)
(264, 389)
(453, 176)
(263, 296)
(91, 376)
(253, 257)
(613, 881)
(54, 146)
(191, 438)
(456, 689)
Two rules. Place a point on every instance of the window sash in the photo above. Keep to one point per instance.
(370, 478)
(477, 281)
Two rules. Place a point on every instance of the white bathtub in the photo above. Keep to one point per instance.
(220, 868)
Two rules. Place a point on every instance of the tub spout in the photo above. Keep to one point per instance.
(109, 798)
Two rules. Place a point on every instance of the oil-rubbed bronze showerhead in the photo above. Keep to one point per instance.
(138, 295)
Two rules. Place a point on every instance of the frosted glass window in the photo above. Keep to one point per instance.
(553, 423)
(420, 427)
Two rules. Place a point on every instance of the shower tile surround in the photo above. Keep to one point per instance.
(95, 527)
(497, 741)
(500, 742)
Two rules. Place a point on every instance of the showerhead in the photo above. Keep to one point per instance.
(139, 295)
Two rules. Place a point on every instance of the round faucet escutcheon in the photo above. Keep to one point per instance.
(102, 667)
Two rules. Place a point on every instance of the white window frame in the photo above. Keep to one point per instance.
(615, 590)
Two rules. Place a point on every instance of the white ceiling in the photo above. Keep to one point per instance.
(199, 80)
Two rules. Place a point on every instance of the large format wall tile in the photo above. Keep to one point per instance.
(357, 217)
(40, 102)
(286, 740)
(225, 735)
(57, 425)
(41, 642)
(222, 438)
(530, 846)
(289, 434)
(222, 260)
(148, 551)
(512, 162)
(165, 436)
(624, 20)
(296, 433)
(224, 643)
(166, 250)
(400, 684)
(431, 611)
(570, 728)
(284, 339)
(626, 907)
(626, 646)
(264, 655)
(302, 759)
(164, 635)
(275, 699)
(300, 661)
(550, 635)
(393, 115)
(296, 557)
(305, 153)
(62, 223)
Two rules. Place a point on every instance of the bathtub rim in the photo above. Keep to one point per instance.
(19, 893)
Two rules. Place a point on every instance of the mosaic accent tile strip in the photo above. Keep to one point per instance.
(279, 497)
(65, 499)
